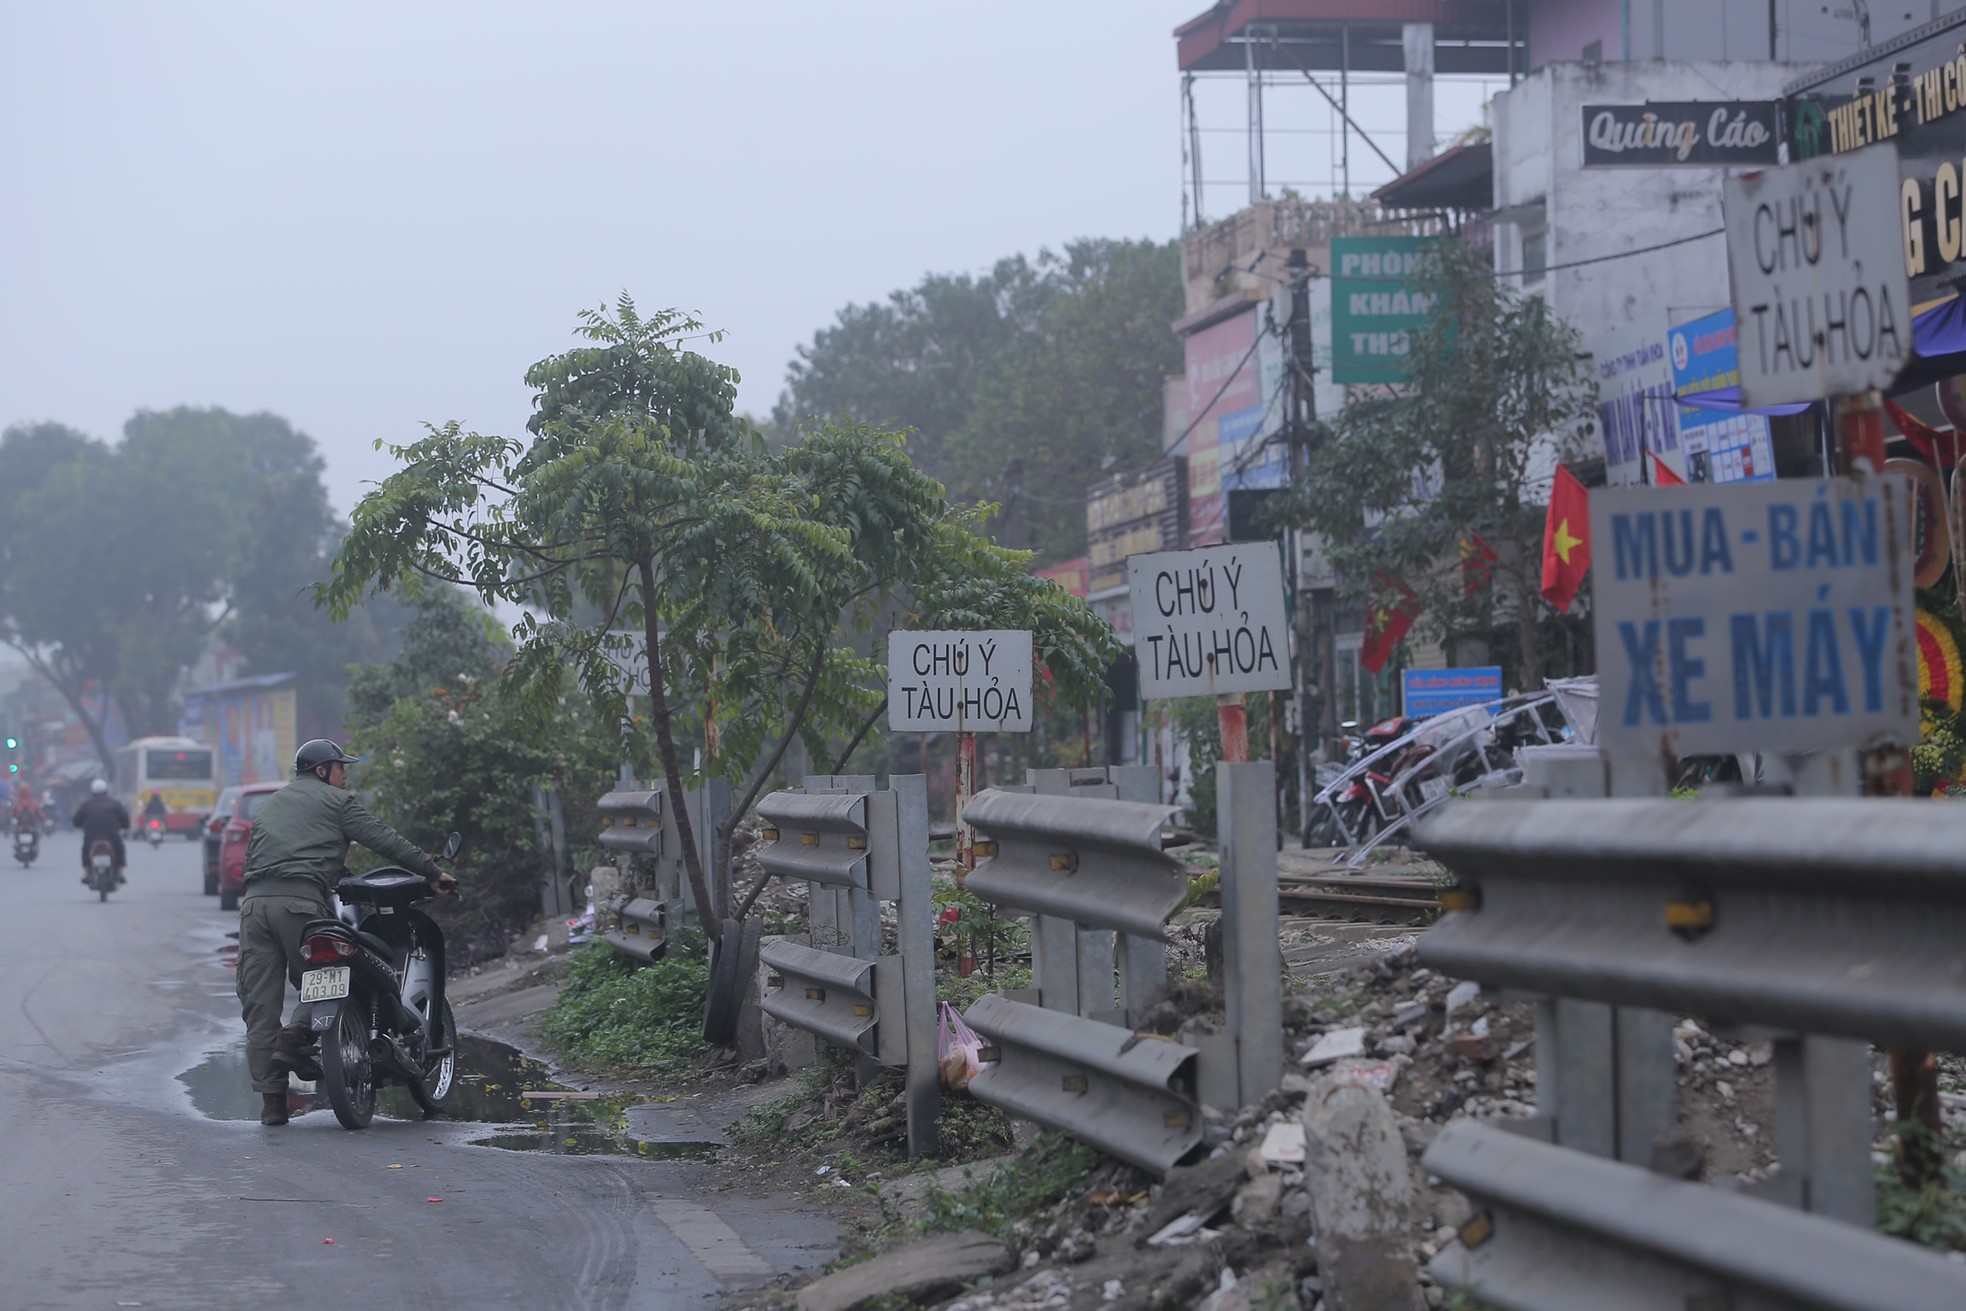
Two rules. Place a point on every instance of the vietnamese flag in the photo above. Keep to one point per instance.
(1662, 474)
(1386, 624)
(1477, 563)
(1566, 540)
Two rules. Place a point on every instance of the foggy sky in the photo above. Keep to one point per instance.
(366, 216)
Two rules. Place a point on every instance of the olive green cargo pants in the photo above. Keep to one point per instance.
(269, 958)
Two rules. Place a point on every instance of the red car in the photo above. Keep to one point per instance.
(232, 842)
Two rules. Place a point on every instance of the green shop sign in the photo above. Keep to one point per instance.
(1374, 307)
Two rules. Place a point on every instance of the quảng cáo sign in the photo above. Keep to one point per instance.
(957, 682)
(1754, 617)
(1681, 133)
(1209, 622)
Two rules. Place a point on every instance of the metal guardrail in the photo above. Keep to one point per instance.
(1096, 863)
(639, 929)
(1822, 915)
(1817, 923)
(855, 848)
(821, 839)
(1092, 875)
(631, 821)
(1557, 1230)
(836, 997)
(1131, 1096)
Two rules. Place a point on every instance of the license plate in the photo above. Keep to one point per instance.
(324, 985)
(1433, 789)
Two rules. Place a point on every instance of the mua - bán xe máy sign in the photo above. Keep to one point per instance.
(1754, 617)
(954, 682)
(1209, 622)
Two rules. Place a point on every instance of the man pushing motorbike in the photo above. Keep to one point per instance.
(299, 842)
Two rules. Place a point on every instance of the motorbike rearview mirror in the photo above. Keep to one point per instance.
(451, 845)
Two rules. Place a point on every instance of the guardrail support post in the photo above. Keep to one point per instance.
(1247, 822)
(1054, 962)
(1142, 964)
(1822, 1127)
(914, 915)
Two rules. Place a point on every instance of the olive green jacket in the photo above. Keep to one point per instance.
(302, 832)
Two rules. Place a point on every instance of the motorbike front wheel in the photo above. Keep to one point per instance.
(430, 1093)
(345, 1066)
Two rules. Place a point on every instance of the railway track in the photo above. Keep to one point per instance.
(1360, 899)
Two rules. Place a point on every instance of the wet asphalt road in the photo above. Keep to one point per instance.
(115, 1191)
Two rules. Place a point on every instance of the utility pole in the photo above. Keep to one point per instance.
(1317, 705)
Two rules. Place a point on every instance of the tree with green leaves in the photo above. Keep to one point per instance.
(120, 565)
(1455, 458)
(1023, 385)
(644, 526)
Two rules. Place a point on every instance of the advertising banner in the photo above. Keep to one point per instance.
(1719, 447)
(1222, 389)
(1374, 306)
(1634, 400)
(1429, 692)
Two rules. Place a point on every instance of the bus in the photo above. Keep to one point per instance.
(176, 767)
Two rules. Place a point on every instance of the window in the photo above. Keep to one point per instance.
(178, 764)
(1535, 256)
(248, 803)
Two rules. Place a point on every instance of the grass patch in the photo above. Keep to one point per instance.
(624, 1018)
(1013, 1191)
(1933, 1216)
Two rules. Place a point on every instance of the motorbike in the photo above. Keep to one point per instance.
(27, 841)
(102, 868)
(153, 829)
(377, 992)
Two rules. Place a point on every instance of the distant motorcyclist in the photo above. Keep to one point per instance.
(102, 818)
(299, 842)
(154, 811)
(25, 806)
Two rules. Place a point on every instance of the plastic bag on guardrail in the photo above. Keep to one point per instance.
(957, 1048)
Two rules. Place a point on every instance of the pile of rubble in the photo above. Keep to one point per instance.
(1382, 1055)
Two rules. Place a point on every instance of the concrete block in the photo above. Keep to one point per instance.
(1361, 1196)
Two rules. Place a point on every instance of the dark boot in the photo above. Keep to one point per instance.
(273, 1109)
(291, 1053)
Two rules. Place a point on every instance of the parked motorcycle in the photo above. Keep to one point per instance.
(377, 992)
(102, 868)
(27, 841)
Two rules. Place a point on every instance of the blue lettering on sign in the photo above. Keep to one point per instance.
(1848, 540)
(1643, 542)
(1668, 663)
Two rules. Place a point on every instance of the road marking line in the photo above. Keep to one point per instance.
(710, 1240)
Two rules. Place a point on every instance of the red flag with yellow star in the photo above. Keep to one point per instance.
(1566, 540)
(1387, 620)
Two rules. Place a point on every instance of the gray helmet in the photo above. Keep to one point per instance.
(318, 752)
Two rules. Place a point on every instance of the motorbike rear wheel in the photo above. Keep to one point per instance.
(430, 1092)
(346, 1068)
(103, 883)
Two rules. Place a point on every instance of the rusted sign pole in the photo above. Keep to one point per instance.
(1233, 719)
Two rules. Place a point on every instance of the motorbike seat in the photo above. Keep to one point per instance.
(389, 886)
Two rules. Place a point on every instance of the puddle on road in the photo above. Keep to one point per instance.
(493, 1079)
